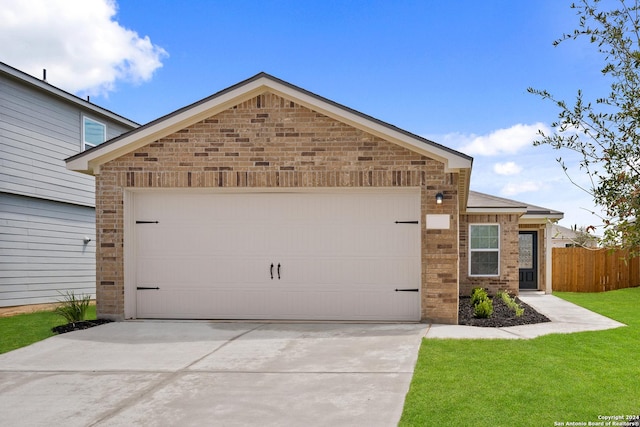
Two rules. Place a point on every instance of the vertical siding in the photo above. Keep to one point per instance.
(37, 132)
(42, 251)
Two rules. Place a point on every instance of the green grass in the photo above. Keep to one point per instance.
(25, 329)
(555, 378)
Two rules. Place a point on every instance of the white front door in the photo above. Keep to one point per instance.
(280, 255)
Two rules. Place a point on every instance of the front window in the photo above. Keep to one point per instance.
(93, 133)
(484, 250)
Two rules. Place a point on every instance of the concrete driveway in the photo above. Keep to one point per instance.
(161, 373)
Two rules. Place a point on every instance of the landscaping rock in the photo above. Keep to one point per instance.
(76, 326)
(502, 315)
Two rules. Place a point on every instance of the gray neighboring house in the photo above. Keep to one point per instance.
(47, 213)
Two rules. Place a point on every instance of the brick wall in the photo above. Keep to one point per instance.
(267, 142)
(440, 258)
(508, 279)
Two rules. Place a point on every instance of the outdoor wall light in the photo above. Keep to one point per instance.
(439, 198)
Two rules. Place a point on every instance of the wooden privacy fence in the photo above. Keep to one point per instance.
(588, 270)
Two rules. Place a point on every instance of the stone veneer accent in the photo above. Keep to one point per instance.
(509, 278)
(269, 142)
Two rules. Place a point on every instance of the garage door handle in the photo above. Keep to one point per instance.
(407, 290)
(143, 288)
(271, 271)
(278, 271)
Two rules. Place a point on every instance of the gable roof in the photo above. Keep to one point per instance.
(486, 203)
(83, 104)
(90, 161)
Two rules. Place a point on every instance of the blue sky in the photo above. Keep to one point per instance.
(456, 72)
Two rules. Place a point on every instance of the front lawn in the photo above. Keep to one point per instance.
(24, 329)
(546, 381)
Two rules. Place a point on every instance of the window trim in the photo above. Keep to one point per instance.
(470, 250)
(85, 145)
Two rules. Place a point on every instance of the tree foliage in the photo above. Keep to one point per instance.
(581, 237)
(606, 132)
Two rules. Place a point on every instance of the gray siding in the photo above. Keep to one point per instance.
(37, 132)
(42, 251)
(45, 209)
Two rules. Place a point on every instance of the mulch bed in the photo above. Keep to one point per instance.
(85, 324)
(502, 315)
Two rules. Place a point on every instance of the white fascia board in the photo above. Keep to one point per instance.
(540, 218)
(519, 211)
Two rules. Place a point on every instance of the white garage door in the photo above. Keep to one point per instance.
(320, 255)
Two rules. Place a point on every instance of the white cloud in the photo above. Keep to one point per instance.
(513, 188)
(79, 42)
(507, 168)
(535, 178)
(500, 141)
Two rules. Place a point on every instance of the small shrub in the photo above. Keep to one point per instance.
(72, 308)
(483, 309)
(511, 303)
(478, 295)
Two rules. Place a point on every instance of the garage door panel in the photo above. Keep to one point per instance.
(152, 304)
(234, 272)
(341, 255)
(372, 273)
(174, 272)
(324, 273)
(358, 240)
(161, 270)
(294, 305)
(148, 240)
(226, 239)
(152, 240)
(218, 240)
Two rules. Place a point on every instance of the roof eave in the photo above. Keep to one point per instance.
(496, 210)
(541, 218)
(91, 160)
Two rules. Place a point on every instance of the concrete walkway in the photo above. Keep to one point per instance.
(565, 318)
(156, 373)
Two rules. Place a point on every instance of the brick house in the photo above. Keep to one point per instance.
(266, 201)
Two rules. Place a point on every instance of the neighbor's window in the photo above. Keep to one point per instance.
(484, 250)
(93, 133)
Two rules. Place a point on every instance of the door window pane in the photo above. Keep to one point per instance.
(526, 251)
